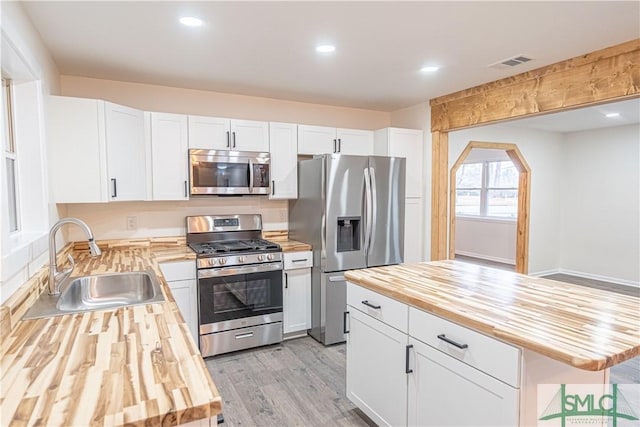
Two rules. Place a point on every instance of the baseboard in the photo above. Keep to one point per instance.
(487, 257)
(615, 280)
(545, 272)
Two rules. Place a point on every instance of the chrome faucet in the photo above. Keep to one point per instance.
(57, 277)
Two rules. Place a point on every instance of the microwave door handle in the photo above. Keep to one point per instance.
(250, 176)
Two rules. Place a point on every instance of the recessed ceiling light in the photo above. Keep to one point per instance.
(191, 21)
(325, 48)
(612, 115)
(429, 69)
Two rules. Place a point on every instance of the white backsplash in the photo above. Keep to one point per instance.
(158, 219)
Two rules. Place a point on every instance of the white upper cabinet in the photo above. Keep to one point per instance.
(127, 151)
(214, 133)
(169, 156)
(316, 140)
(407, 143)
(209, 133)
(97, 151)
(322, 140)
(250, 135)
(354, 141)
(283, 144)
(77, 150)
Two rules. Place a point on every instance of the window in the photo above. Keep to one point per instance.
(10, 158)
(487, 189)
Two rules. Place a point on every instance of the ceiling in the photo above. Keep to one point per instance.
(266, 48)
(585, 118)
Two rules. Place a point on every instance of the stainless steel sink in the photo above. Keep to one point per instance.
(99, 292)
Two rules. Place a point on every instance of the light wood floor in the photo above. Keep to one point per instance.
(297, 383)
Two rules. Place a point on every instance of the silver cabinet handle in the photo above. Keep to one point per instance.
(339, 145)
(299, 260)
(286, 280)
(228, 140)
(115, 187)
(273, 188)
(234, 139)
(186, 189)
(335, 145)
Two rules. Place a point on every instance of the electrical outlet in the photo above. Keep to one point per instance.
(132, 223)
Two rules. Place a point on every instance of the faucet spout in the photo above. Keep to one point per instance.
(57, 277)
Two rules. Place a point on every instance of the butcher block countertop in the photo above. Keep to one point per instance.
(135, 365)
(586, 328)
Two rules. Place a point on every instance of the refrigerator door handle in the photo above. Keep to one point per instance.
(368, 208)
(373, 223)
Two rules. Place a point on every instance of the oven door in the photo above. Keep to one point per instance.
(231, 293)
(222, 172)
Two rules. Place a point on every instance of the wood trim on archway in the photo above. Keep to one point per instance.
(603, 76)
(524, 189)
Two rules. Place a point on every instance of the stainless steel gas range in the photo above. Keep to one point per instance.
(239, 283)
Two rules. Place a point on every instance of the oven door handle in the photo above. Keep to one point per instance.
(232, 271)
(250, 176)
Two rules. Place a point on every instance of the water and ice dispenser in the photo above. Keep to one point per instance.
(348, 233)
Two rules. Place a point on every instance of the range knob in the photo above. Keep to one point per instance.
(260, 257)
(212, 261)
(240, 259)
(270, 257)
(222, 261)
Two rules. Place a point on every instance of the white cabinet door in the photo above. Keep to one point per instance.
(169, 156)
(297, 300)
(250, 135)
(209, 133)
(446, 392)
(185, 294)
(407, 143)
(316, 140)
(77, 150)
(283, 142)
(126, 153)
(376, 378)
(354, 141)
(413, 238)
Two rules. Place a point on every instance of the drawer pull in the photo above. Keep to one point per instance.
(344, 323)
(368, 304)
(245, 335)
(444, 338)
(299, 260)
(406, 363)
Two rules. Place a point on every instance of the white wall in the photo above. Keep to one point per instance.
(600, 232)
(419, 117)
(491, 239)
(157, 219)
(35, 76)
(543, 152)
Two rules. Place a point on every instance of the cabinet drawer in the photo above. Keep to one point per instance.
(297, 260)
(489, 355)
(385, 309)
(180, 270)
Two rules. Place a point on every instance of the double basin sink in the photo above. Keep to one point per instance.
(99, 292)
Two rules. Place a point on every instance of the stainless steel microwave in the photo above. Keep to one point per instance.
(221, 172)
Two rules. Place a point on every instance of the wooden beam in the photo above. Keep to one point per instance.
(440, 164)
(598, 77)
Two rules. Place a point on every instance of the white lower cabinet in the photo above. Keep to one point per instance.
(376, 381)
(296, 292)
(446, 392)
(181, 278)
(396, 378)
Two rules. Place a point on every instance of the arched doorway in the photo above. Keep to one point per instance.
(524, 181)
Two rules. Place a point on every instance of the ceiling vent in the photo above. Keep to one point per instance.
(510, 62)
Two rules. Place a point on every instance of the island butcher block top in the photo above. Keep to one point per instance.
(584, 327)
(135, 365)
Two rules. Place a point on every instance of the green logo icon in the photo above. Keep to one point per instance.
(564, 405)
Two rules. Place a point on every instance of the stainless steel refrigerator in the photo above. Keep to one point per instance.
(351, 209)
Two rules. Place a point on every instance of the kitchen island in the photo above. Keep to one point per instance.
(494, 333)
(134, 365)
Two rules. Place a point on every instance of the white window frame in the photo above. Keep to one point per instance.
(484, 191)
(9, 151)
